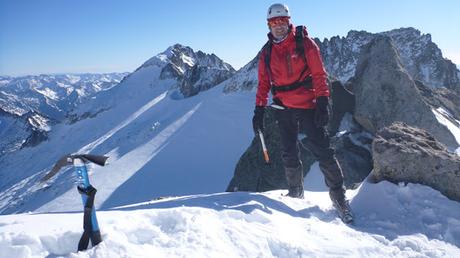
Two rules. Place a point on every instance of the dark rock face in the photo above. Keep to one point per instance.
(385, 93)
(201, 78)
(343, 101)
(402, 153)
(35, 138)
(352, 146)
(170, 71)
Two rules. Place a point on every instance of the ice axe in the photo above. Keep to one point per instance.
(88, 192)
(264, 147)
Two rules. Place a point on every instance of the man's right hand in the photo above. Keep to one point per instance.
(258, 119)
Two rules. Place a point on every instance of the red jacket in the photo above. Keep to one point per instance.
(286, 68)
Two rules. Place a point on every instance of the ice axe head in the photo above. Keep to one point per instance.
(96, 159)
(68, 160)
(62, 162)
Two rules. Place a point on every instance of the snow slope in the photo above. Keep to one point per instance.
(391, 221)
(158, 145)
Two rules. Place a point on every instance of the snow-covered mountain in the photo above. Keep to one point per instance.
(420, 56)
(196, 71)
(30, 105)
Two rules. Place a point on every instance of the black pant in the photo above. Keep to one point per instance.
(293, 121)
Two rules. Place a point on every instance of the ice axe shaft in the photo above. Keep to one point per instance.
(264, 147)
(91, 230)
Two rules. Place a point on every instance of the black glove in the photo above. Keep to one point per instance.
(258, 119)
(321, 113)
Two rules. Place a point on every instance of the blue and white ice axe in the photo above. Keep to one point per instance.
(88, 192)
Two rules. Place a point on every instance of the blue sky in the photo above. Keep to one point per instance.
(64, 36)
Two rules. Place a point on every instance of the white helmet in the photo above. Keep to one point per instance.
(278, 10)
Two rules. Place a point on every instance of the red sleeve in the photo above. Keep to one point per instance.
(263, 86)
(315, 63)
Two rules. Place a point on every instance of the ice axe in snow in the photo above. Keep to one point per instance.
(88, 192)
(264, 147)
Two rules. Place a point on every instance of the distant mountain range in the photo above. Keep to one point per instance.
(30, 105)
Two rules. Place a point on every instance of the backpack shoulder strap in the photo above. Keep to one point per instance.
(267, 51)
(299, 40)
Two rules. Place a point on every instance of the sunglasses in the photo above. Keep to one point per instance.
(278, 21)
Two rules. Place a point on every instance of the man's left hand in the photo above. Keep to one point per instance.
(321, 113)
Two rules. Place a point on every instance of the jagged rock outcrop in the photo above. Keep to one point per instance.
(421, 57)
(402, 153)
(386, 93)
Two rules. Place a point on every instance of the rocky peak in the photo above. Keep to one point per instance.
(421, 57)
(176, 60)
(195, 71)
(356, 35)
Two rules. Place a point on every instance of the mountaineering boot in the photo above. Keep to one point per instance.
(341, 204)
(294, 178)
(296, 192)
